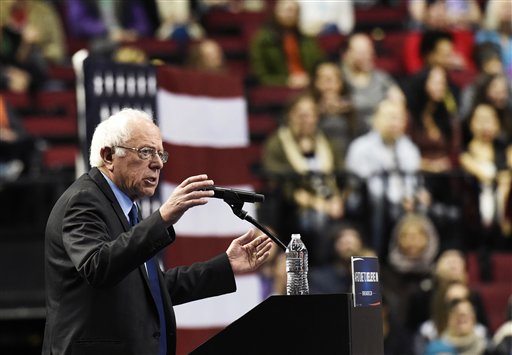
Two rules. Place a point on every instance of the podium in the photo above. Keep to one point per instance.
(296, 325)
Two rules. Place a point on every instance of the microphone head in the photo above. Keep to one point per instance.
(235, 194)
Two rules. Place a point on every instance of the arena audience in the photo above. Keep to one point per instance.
(368, 84)
(206, 55)
(280, 53)
(319, 18)
(388, 162)
(336, 275)
(496, 91)
(301, 163)
(487, 58)
(485, 159)
(497, 29)
(35, 23)
(462, 331)
(447, 14)
(412, 249)
(108, 24)
(338, 116)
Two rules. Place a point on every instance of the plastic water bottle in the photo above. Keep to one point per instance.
(296, 267)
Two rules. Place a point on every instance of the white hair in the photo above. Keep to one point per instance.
(115, 130)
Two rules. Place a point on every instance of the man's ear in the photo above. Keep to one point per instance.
(106, 155)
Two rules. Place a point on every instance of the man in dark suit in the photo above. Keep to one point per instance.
(101, 298)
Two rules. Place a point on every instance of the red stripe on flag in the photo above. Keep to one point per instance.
(190, 339)
(226, 166)
(191, 82)
(187, 250)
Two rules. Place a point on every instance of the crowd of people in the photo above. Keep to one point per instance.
(413, 168)
(417, 179)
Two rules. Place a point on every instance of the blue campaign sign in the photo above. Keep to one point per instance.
(365, 281)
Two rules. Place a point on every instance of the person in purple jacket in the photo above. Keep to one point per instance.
(111, 22)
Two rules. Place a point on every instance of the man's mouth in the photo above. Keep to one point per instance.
(151, 180)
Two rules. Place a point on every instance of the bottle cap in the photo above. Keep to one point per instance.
(295, 236)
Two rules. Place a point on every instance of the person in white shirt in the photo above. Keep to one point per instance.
(388, 161)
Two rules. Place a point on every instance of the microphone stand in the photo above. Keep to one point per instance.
(236, 205)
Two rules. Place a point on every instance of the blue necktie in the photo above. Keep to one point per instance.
(152, 267)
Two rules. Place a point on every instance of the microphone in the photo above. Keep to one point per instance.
(235, 194)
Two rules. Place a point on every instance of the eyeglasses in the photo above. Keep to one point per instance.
(147, 152)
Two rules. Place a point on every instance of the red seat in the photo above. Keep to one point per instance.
(390, 52)
(501, 263)
(232, 45)
(16, 100)
(51, 126)
(473, 268)
(57, 103)
(74, 44)
(389, 65)
(261, 125)
(223, 21)
(238, 67)
(381, 16)
(60, 156)
(495, 297)
(462, 78)
(502, 267)
(61, 72)
(155, 47)
(270, 97)
(218, 21)
(332, 44)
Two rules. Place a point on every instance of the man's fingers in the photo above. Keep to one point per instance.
(194, 178)
(246, 238)
(194, 187)
(265, 249)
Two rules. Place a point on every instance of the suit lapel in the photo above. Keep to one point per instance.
(99, 179)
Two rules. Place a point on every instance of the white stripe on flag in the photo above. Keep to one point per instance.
(213, 219)
(203, 121)
(222, 310)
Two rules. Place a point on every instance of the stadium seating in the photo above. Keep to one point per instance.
(495, 293)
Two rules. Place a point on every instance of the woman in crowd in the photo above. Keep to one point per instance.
(436, 325)
(485, 159)
(462, 330)
(338, 117)
(496, 91)
(301, 163)
(433, 125)
(450, 268)
(435, 128)
(487, 59)
(413, 248)
(280, 54)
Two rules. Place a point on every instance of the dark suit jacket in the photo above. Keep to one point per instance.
(97, 293)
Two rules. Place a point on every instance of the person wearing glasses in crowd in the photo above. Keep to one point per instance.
(104, 292)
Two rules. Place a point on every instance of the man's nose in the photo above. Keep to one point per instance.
(156, 162)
